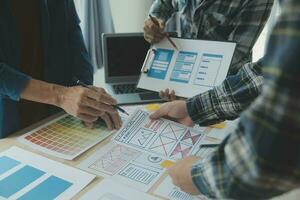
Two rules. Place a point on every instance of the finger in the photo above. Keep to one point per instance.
(89, 125)
(101, 97)
(163, 111)
(172, 95)
(107, 121)
(116, 119)
(89, 111)
(98, 106)
(167, 95)
(87, 118)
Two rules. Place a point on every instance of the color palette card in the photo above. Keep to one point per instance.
(24, 176)
(65, 137)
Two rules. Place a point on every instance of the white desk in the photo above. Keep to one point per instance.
(12, 141)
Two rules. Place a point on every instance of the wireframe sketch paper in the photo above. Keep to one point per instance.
(111, 190)
(198, 66)
(65, 137)
(161, 137)
(24, 175)
(125, 165)
(169, 191)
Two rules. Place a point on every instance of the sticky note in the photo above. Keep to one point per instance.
(152, 107)
(219, 126)
(167, 164)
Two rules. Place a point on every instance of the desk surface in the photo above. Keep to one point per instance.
(12, 141)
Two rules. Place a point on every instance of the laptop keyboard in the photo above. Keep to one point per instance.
(127, 89)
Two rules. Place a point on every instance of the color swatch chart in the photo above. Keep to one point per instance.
(26, 176)
(161, 137)
(65, 137)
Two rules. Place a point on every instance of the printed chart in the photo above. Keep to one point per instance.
(169, 191)
(208, 70)
(65, 137)
(125, 165)
(161, 63)
(184, 66)
(111, 190)
(24, 175)
(162, 137)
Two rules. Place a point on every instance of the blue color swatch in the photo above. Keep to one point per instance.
(49, 189)
(184, 67)
(7, 164)
(19, 180)
(161, 62)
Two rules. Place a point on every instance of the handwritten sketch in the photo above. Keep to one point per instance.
(160, 137)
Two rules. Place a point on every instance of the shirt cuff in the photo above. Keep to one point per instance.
(12, 82)
(198, 176)
(201, 109)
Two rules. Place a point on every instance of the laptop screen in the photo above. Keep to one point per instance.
(125, 55)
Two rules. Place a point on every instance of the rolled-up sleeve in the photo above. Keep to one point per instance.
(12, 82)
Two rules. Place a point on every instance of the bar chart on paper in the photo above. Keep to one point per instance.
(25, 176)
(65, 137)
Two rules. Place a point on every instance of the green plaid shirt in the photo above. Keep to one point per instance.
(260, 159)
(234, 20)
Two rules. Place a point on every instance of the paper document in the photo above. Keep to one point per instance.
(24, 175)
(125, 165)
(161, 137)
(111, 190)
(198, 66)
(169, 191)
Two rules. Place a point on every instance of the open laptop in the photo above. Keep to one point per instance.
(124, 54)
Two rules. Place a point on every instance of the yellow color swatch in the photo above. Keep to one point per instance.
(152, 107)
(219, 126)
(167, 164)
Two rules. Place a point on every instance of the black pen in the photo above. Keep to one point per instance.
(78, 82)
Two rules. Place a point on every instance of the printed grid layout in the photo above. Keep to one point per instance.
(114, 160)
(166, 139)
(67, 136)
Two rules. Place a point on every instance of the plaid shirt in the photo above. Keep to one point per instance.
(260, 159)
(236, 20)
(240, 21)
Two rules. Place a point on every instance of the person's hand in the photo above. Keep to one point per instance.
(181, 175)
(154, 33)
(175, 110)
(167, 95)
(88, 104)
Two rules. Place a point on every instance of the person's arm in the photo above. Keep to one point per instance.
(246, 26)
(227, 101)
(164, 11)
(260, 159)
(12, 82)
(80, 59)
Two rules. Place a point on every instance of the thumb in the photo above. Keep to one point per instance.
(162, 25)
(162, 112)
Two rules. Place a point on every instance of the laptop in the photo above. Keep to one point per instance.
(124, 54)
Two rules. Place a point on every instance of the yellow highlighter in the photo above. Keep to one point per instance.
(167, 164)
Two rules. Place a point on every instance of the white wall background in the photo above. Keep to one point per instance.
(129, 15)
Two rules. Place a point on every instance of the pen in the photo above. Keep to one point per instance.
(157, 24)
(78, 82)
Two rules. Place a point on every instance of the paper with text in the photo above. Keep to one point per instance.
(24, 175)
(161, 137)
(111, 190)
(196, 67)
(125, 165)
